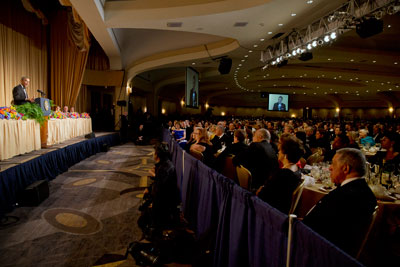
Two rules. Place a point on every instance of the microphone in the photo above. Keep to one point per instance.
(41, 92)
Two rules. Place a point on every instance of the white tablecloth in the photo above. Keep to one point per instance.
(65, 129)
(18, 137)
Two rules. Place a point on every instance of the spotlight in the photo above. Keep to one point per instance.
(273, 63)
(327, 38)
(314, 43)
(320, 42)
(278, 60)
(391, 10)
(288, 55)
(333, 35)
(281, 58)
(299, 51)
(369, 27)
(294, 52)
(309, 46)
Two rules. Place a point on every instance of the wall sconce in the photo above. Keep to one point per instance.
(222, 113)
(391, 109)
(128, 90)
(206, 105)
(145, 109)
(337, 109)
(182, 103)
(293, 115)
(163, 111)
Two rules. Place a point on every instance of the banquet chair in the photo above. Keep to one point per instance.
(229, 170)
(244, 176)
(368, 230)
(196, 154)
(296, 196)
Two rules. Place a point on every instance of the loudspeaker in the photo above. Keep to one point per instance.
(225, 65)
(306, 56)
(90, 135)
(369, 27)
(121, 103)
(35, 193)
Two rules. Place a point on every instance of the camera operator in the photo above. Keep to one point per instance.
(161, 198)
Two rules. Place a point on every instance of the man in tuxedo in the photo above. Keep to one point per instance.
(342, 215)
(20, 94)
(260, 158)
(279, 105)
(220, 139)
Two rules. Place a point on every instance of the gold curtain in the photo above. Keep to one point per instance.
(67, 62)
(23, 50)
(81, 104)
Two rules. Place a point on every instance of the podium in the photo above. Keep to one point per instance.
(44, 104)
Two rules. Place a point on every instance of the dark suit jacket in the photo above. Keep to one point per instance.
(19, 95)
(261, 160)
(341, 215)
(283, 107)
(278, 190)
(217, 142)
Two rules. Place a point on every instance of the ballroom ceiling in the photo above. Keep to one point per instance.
(138, 37)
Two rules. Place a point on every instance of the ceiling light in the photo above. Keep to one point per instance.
(278, 60)
(255, 45)
(315, 93)
(329, 59)
(294, 93)
(294, 52)
(293, 14)
(280, 24)
(351, 60)
(273, 62)
(309, 2)
(305, 93)
(333, 35)
(250, 51)
(390, 89)
(288, 55)
(320, 41)
(325, 92)
(347, 92)
(194, 63)
(314, 43)
(246, 55)
(269, 32)
(240, 65)
(243, 60)
(373, 61)
(389, 26)
(262, 39)
(326, 38)
(378, 90)
(395, 63)
(299, 50)
(309, 46)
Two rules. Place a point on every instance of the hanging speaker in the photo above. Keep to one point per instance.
(225, 65)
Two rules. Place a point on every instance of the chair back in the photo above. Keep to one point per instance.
(296, 196)
(367, 232)
(196, 154)
(244, 176)
(229, 170)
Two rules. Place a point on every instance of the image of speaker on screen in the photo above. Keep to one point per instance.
(192, 88)
(193, 93)
(278, 102)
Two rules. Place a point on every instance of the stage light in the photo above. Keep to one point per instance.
(391, 10)
(288, 55)
(391, 109)
(273, 62)
(337, 109)
(299, 51)
(333, 35)
(320, 42)
(309, 46)
(327, 38)
(294, 52)
(278, 60)
(314, 43)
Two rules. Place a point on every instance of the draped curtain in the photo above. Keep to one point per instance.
(68, 59)
(23, 50)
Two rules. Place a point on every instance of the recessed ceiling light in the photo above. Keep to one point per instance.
(269, 32)
(351, 60)
(305, 93)
(325, 92)
(274, 84)
(347, 92)
(294, 93)
(250, 51)
(335, 92)
(243, 60)
(193, 63)
(240, 24)
(330, 89)
(329, 59)
(356, 91)
(293, 14)
(389, 26)
(255, 45)
(323, 75)
(340, 76)
(240, 65)
(262, 39)
(395, 63)
(378, 90)
(283, 76)
(358, 94)
(373, 61)
(280, 24)
(367, 91)
(351, 79)
(317, 87)
(390, 89)
(246, 55)
(238, 68)
(315, 93)
(309, 2)
(226, 88)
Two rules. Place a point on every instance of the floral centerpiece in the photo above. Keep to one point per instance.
(57, 115)
(85, 115)
(74, 115)
(10, 113)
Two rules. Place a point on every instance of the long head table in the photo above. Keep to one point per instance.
(65, 129)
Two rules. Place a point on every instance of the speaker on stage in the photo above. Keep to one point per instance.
(90, 135)
(35, 193)
(225, 65)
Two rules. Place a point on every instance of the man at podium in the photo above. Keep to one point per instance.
(20, 94)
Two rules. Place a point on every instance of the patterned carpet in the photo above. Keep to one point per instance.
(90, 216)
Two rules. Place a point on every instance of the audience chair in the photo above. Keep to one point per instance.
(244, 177)
(229, 170)
(296, 196)
(368, 230)
(196, 154)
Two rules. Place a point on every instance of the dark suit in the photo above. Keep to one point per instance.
(341, 215)
(217, 142)
(19, 95)
(261, 160)
(282, 107)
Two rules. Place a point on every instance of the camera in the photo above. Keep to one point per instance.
(145, 254)
(147, 200)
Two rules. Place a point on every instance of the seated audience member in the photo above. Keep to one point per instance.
(341, 215)
(303, 137)
(230, 132)
(277, 191)
(340, 141)
(365, 139)
(162, 196)
(220, 139)
(203, 145)
(310, 137)
(179, 135)
(376, 133)
(389, 160)
(238, 145)
(322, 140)
(352, 135)
(65, 110)
(260, 159)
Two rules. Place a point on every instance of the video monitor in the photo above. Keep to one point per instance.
(278, 102)
(192, 88)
